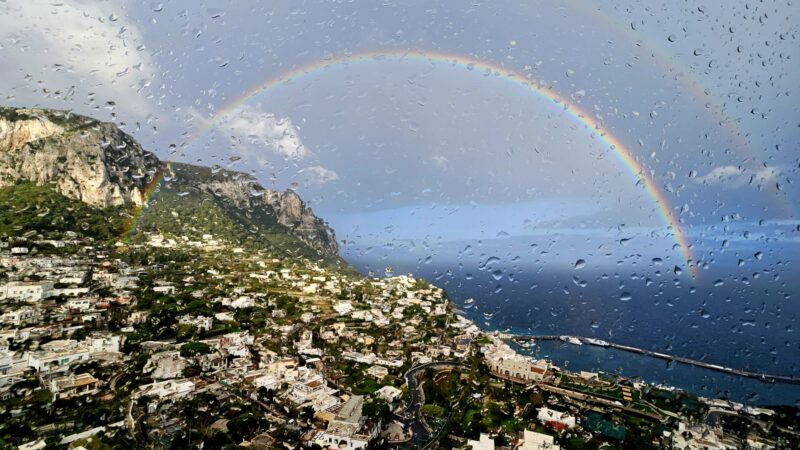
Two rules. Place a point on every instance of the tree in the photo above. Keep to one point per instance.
(432, 410)
(195, 348)
(377, 410)
(307, 414)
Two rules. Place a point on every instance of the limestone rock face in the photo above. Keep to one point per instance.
(98, 164)
(293, 213)
(15, 134)
(82, 158)
(288, 208)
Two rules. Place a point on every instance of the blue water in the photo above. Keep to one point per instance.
(747, 325)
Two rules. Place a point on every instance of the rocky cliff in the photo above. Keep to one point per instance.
(100, 165)
(84, 159)
(244, 192)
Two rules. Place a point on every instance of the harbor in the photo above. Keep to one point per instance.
(579, 340)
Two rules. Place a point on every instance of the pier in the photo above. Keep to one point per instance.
(765, 377)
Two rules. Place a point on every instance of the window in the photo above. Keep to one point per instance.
(575, 186)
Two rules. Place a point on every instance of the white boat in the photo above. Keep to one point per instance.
(598, 342)
(469, 301)
(571, 340)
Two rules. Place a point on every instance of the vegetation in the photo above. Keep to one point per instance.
(194, 349)
(26, 208)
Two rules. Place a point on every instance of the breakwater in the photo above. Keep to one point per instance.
(579, 340)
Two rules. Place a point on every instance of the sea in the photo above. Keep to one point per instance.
(746, 325)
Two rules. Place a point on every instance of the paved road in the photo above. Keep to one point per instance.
(413, 417)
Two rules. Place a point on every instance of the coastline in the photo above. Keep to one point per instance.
(706, 383)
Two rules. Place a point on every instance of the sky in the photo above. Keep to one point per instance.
(417, 157)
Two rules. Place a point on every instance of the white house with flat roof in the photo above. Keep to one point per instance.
(547, 415)
(26, 291)
(484, 442)
(165, 389)
(19, 316)
(349, 429)
(532, 440)
(57, 360)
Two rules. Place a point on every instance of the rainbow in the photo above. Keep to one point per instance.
(687, 77)
(150, 190)
(567, 107)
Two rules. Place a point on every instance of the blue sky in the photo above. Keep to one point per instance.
(398, 151)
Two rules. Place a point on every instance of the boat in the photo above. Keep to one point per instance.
(469, 301)
(598, 342)
(571, 340)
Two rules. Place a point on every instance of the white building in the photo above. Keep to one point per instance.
(311, 289)
(378, 372)
(27, 291)
(547, 415)
(165, 289)
(71, 292)
(57, 361)
(224, 316)
(505, 363)
(702, 437)
(241, 302)
(343, 308)
(307, 386)
(165, 365)
(349, 429)
(484, 442)
(165, 389)
(106, 344)
(267, 381)
(532, 440)
(307, 317)
(74, 385)
(389, 393)
(79, 304)
(19, 316)
(199, 322)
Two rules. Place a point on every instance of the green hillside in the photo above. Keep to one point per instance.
(26, 208)
(181, 208)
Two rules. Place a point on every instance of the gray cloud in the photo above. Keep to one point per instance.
(52, 54)
(732, 177)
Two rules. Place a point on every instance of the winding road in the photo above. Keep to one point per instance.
(413, 416)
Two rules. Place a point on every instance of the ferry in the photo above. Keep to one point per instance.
(571, 340)
(598, 342)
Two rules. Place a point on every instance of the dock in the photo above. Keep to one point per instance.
(761, 376)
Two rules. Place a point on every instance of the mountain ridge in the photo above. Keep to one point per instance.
(99, 165)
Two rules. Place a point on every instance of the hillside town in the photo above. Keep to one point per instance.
(176, 341)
